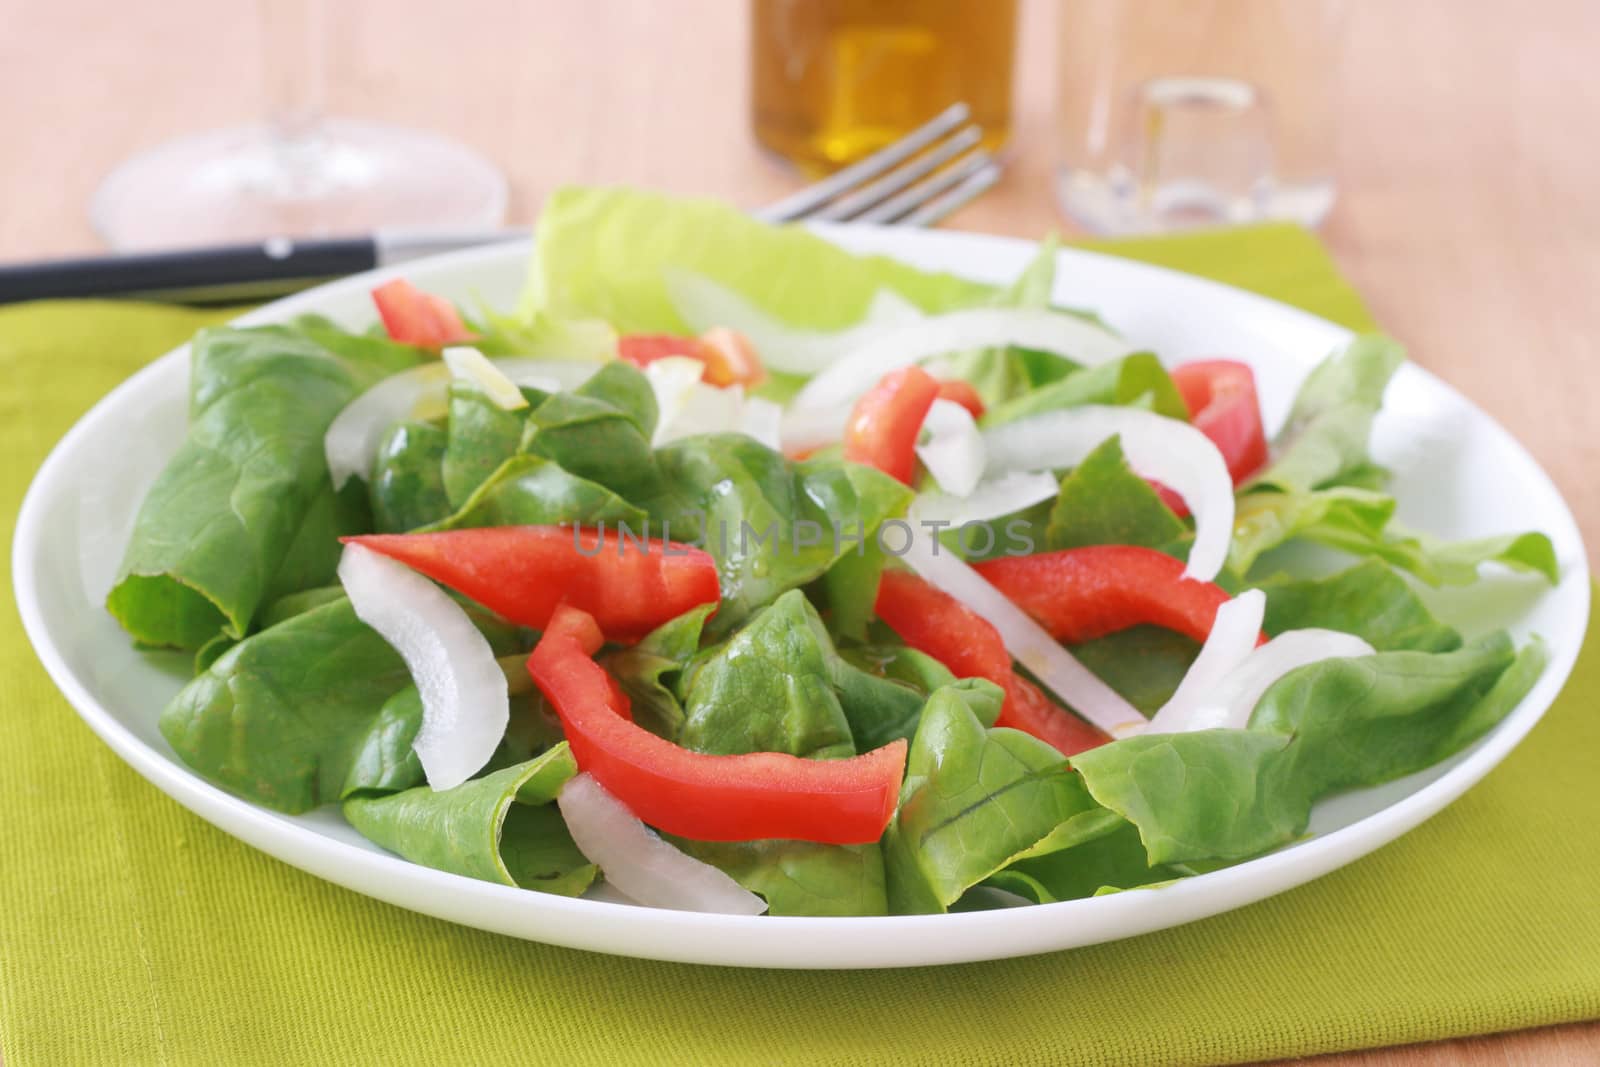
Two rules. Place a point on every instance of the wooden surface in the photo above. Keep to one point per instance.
(1468, 213)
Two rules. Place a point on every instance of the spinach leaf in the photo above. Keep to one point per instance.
(1369, 600)
(648, 671)
(771, 524)
(1102, 502)
(769, 689)
(279, 717)
(223, 516)
(974, 800)
(407, 486)
(499, 828)
(531, 490)
(800, 877)
(1331, 420)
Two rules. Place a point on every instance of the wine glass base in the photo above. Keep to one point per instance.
(346, 177)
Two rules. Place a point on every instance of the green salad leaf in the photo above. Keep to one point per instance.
(974, 800)
(482, 436)
(407, 486)
(532, 490)
(649, 671)
(800, 877)
(1102, 502)
(1137, 380)
(222, 519)
(1105, 861)
(1369, 600)
(602, 253)
(600, 431)
(502, 827)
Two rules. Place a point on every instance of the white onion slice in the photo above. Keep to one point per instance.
(763, 420)
(1172, 452)
(806, 428)
(954, 453)
(704, 305)
(469, 365)
(1057, 669)
(465, 704)
(352, 440)
(672, 379)
(990, 500)
(640, 864)
(957, 331)
(1230, 704)
(1233, 635)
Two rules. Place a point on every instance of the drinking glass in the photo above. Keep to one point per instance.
(299, 174)
(1180, 113)
(835, 80)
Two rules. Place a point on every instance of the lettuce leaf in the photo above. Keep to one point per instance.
(600, 431)
(648, 672)
(533, 491)
(1136, 380)
(407, 487)
(1369, 600)
(501, 828)
(974, 800)
(482, 435)
(801, 877)
(223, 516)
(602, 253)
(1102, 502)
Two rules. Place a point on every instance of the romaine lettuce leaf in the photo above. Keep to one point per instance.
(501, 828)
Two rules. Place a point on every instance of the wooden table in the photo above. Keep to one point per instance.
(1468, 215)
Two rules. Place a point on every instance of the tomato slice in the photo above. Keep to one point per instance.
(1078, 594)
(936, 623)
(629, 585)
(709, 798)
(962, 392)
(414, 317)
(883, 428)
(728, 355)
(1221, 397)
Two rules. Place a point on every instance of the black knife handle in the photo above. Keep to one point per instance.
(223, 274)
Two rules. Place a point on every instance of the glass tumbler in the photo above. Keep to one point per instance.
(1173, 114)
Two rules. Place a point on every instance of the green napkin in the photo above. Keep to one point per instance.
(133, 932)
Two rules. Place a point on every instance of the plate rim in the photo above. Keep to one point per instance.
(370, 873)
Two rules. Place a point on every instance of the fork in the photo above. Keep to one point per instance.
(915, 181)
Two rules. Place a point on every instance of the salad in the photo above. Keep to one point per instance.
(749, 575)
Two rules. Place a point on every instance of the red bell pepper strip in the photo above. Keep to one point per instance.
(709, 798)
(414, 317)
(883, 428)
(1079, 594)
(937, 624)
(961, 392)
(1221, 397)
(522, 572)
(728, 355)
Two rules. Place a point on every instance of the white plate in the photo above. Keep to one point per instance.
(1471, 478)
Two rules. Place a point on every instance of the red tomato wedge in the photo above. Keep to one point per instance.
(414, 317)
(709, 798)
(1078, 594)
(936, 623)
(883, 428)
(728, 355)
(1221, 397)
(630, 586)
(960, 392)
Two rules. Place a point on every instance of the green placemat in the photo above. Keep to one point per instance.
(133, 932)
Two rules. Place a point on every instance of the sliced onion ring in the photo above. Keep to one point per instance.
(1056, 669)
(954, 452)
(1005, 495)
(1170, 451)
(465, 704)
(639, 864)
(469, 365)
(1233, 635)
(806, 428)
(957, 331)
(672, 378)
(351, 443)
(704, 304)
(1230, 704)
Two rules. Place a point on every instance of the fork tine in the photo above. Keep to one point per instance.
(935, 210)
(854, 203)
(814, 196)
(923, 192)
